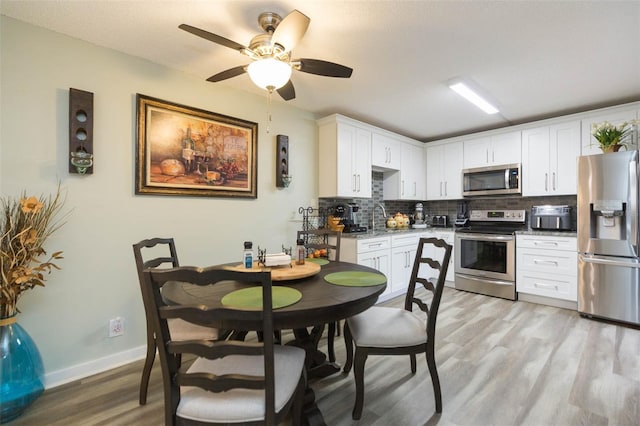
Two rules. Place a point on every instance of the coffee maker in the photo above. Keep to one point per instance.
(462, 217)
(348, 214)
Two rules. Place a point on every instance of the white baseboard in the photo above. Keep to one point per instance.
(80, 371)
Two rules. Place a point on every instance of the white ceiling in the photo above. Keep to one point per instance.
(536, 59)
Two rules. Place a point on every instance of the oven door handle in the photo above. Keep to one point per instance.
(487, 280)
(485, 237)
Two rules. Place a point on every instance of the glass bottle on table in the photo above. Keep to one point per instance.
(301, 252)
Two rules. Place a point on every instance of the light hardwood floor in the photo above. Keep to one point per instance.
(500, 363)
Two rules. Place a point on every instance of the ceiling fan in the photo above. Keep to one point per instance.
(271, 54)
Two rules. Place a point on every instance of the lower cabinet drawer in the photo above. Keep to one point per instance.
(548, 285)
(550, 261)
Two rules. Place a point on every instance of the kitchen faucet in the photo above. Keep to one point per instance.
(373, 215)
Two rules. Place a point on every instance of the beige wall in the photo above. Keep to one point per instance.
(68, 318)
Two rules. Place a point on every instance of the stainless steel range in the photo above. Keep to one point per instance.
(485, 252)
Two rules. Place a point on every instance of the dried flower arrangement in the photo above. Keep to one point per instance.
(26, 224)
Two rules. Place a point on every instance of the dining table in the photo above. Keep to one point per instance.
(331, 292)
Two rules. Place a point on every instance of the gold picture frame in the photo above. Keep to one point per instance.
(192, 152)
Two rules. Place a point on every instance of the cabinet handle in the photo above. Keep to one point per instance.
(487, 155)
(545, 262)
(445, 187)
(554, 181)
(493, 156)
(388, 155)
(545, 243)
(375, 245)
(547, 286)
(441, 189)
(353, 184)
(546, 181)
(358, 182)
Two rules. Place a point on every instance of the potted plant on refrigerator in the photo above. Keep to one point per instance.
(611, 137)
(25, 226)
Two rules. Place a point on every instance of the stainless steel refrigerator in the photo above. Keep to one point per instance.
(608, 256)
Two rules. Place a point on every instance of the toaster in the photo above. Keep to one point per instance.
(551, 217)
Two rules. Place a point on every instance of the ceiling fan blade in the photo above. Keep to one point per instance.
(319, 67)
(287, 92)
(230, 73)
(289, 32)
(214, 38)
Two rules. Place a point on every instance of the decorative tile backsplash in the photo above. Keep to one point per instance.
(448, 208)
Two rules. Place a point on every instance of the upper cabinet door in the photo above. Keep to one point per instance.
(410, 182)
(344, 159)
(494, 150)
(362, 163)
(452, 170)
(444, 171)
(476, 152)
(506, 148)
(535, 162)
(385, 152)
(549, 159)
(563, 160)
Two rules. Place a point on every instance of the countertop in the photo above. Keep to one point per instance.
(390, 232)
(547, 233)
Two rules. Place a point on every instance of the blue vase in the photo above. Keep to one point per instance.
(21, 371)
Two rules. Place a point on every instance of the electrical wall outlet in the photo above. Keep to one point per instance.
(116, 327)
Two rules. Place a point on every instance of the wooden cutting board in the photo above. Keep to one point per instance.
(282, 273)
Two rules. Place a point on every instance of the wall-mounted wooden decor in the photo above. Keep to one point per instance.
(282, 161)
(80, 131)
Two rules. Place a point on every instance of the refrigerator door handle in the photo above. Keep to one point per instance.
(633, 189)
(610, 262)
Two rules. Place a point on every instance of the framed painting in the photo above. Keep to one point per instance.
(188, 151)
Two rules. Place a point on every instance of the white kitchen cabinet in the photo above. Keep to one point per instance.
(497, 149)
(403, 254)
(410, 182)
(549, 159)
(344, 158)
(547, 266)
(444, 171)
(385, 152)
(373, 252)
(615, 116)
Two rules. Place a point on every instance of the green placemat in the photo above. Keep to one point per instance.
(355, 278)
(320, 261)
(251, 298)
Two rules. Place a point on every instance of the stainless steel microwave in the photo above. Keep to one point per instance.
(491, 180)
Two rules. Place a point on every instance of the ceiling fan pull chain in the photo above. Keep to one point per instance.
(269, 111)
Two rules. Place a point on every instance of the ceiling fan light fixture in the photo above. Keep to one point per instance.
(470, 95)
(269, 74)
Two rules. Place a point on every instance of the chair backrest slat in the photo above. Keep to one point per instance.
(440, 265)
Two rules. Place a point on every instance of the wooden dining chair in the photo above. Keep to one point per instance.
(230, 381)
(317, 239)
(161, 253)
(398, 331)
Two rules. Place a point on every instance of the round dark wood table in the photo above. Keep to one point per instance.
(321, 303)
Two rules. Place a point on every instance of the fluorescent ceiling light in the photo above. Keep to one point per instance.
(464, 91)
